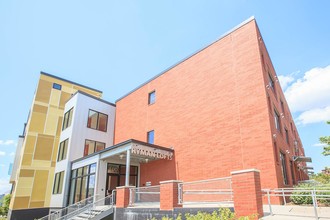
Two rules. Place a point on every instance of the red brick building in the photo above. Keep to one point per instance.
(221, 109)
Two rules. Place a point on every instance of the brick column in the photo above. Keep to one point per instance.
(247, 192)
(122, 196)
(169, 194)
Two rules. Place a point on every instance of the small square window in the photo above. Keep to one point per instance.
(57, 86)
(151, 137)
(152, 97)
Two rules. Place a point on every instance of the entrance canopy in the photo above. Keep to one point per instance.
(129, 151)
(302, 159)
(138, 151)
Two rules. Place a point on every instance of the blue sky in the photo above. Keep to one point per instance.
(115, 46)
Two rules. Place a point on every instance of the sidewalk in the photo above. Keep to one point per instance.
(289, 212)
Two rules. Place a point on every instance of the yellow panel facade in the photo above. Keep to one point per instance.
(25, 182)
(26, 159)
(55, 97)
(34, 184)
(40, 108)
(24, 191)
(21, 202)
(30, 144)
(41, 164)
(44, 147)
(39, 190)
(64, 98)
(43, 91)
(26, 173)
(37, 123)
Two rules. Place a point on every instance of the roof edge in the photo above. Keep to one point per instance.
(90, 96)
(56, 77)
(189, 56)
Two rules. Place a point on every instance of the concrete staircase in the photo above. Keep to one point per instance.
(95, 213)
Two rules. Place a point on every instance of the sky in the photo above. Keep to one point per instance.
(114, 46)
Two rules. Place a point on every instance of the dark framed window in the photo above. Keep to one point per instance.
(271, 82)
(57, 86)
(292, 172)
(67, 119)
(92, 146)
(97, 120)
(58, 183)
(283, 167)
(63, 148)
(151, 137)
(82, 183)
(152, 97)
(286, 135)
(282, 107)
(277, 120)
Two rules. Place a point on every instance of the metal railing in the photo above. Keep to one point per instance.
(149, 195)
(217, 190)
(286, 194)
(71, 208)
(90, 207)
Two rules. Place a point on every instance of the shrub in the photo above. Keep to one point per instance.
(305, 197)
(221, 214)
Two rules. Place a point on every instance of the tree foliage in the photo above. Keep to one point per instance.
(326, 140)
(5, 204)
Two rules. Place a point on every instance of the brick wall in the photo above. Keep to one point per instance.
(212, 108)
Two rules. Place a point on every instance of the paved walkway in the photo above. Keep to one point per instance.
(290, 212)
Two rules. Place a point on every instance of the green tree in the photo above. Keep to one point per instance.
(326, 140)
(5, 204)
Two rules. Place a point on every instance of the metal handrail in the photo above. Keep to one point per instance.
(88, 208)
(56, 214)
(137, 190)
(215, 190)
(207, 180)
(285, 192)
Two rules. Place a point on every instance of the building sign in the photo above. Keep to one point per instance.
(151, 152)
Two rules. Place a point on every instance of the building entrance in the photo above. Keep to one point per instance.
(116, 176)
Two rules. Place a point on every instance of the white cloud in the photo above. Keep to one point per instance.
(12, 154)
(314, 116)
(7, 142)
(285, 80)
(319, 145)
(2, 153)
(5, 186)
(312, 91)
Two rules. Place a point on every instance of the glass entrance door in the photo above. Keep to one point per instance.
(116, 176)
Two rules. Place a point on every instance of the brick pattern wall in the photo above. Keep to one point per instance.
(212, 109)
(247, 193)
(169, 195)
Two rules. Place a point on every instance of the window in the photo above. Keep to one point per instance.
(151, 137)
(283, 166)
(277, 121)
(276, 151)
(67, 119)
(58, 183)
(271, 82)
(152, 97)
(82, 183)
(63, 148)
(292, 172)
(97, 120)
(57, 86)
(286, 135)
(282, 107)
(93, 146)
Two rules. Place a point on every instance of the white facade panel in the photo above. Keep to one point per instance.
(77, 133)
